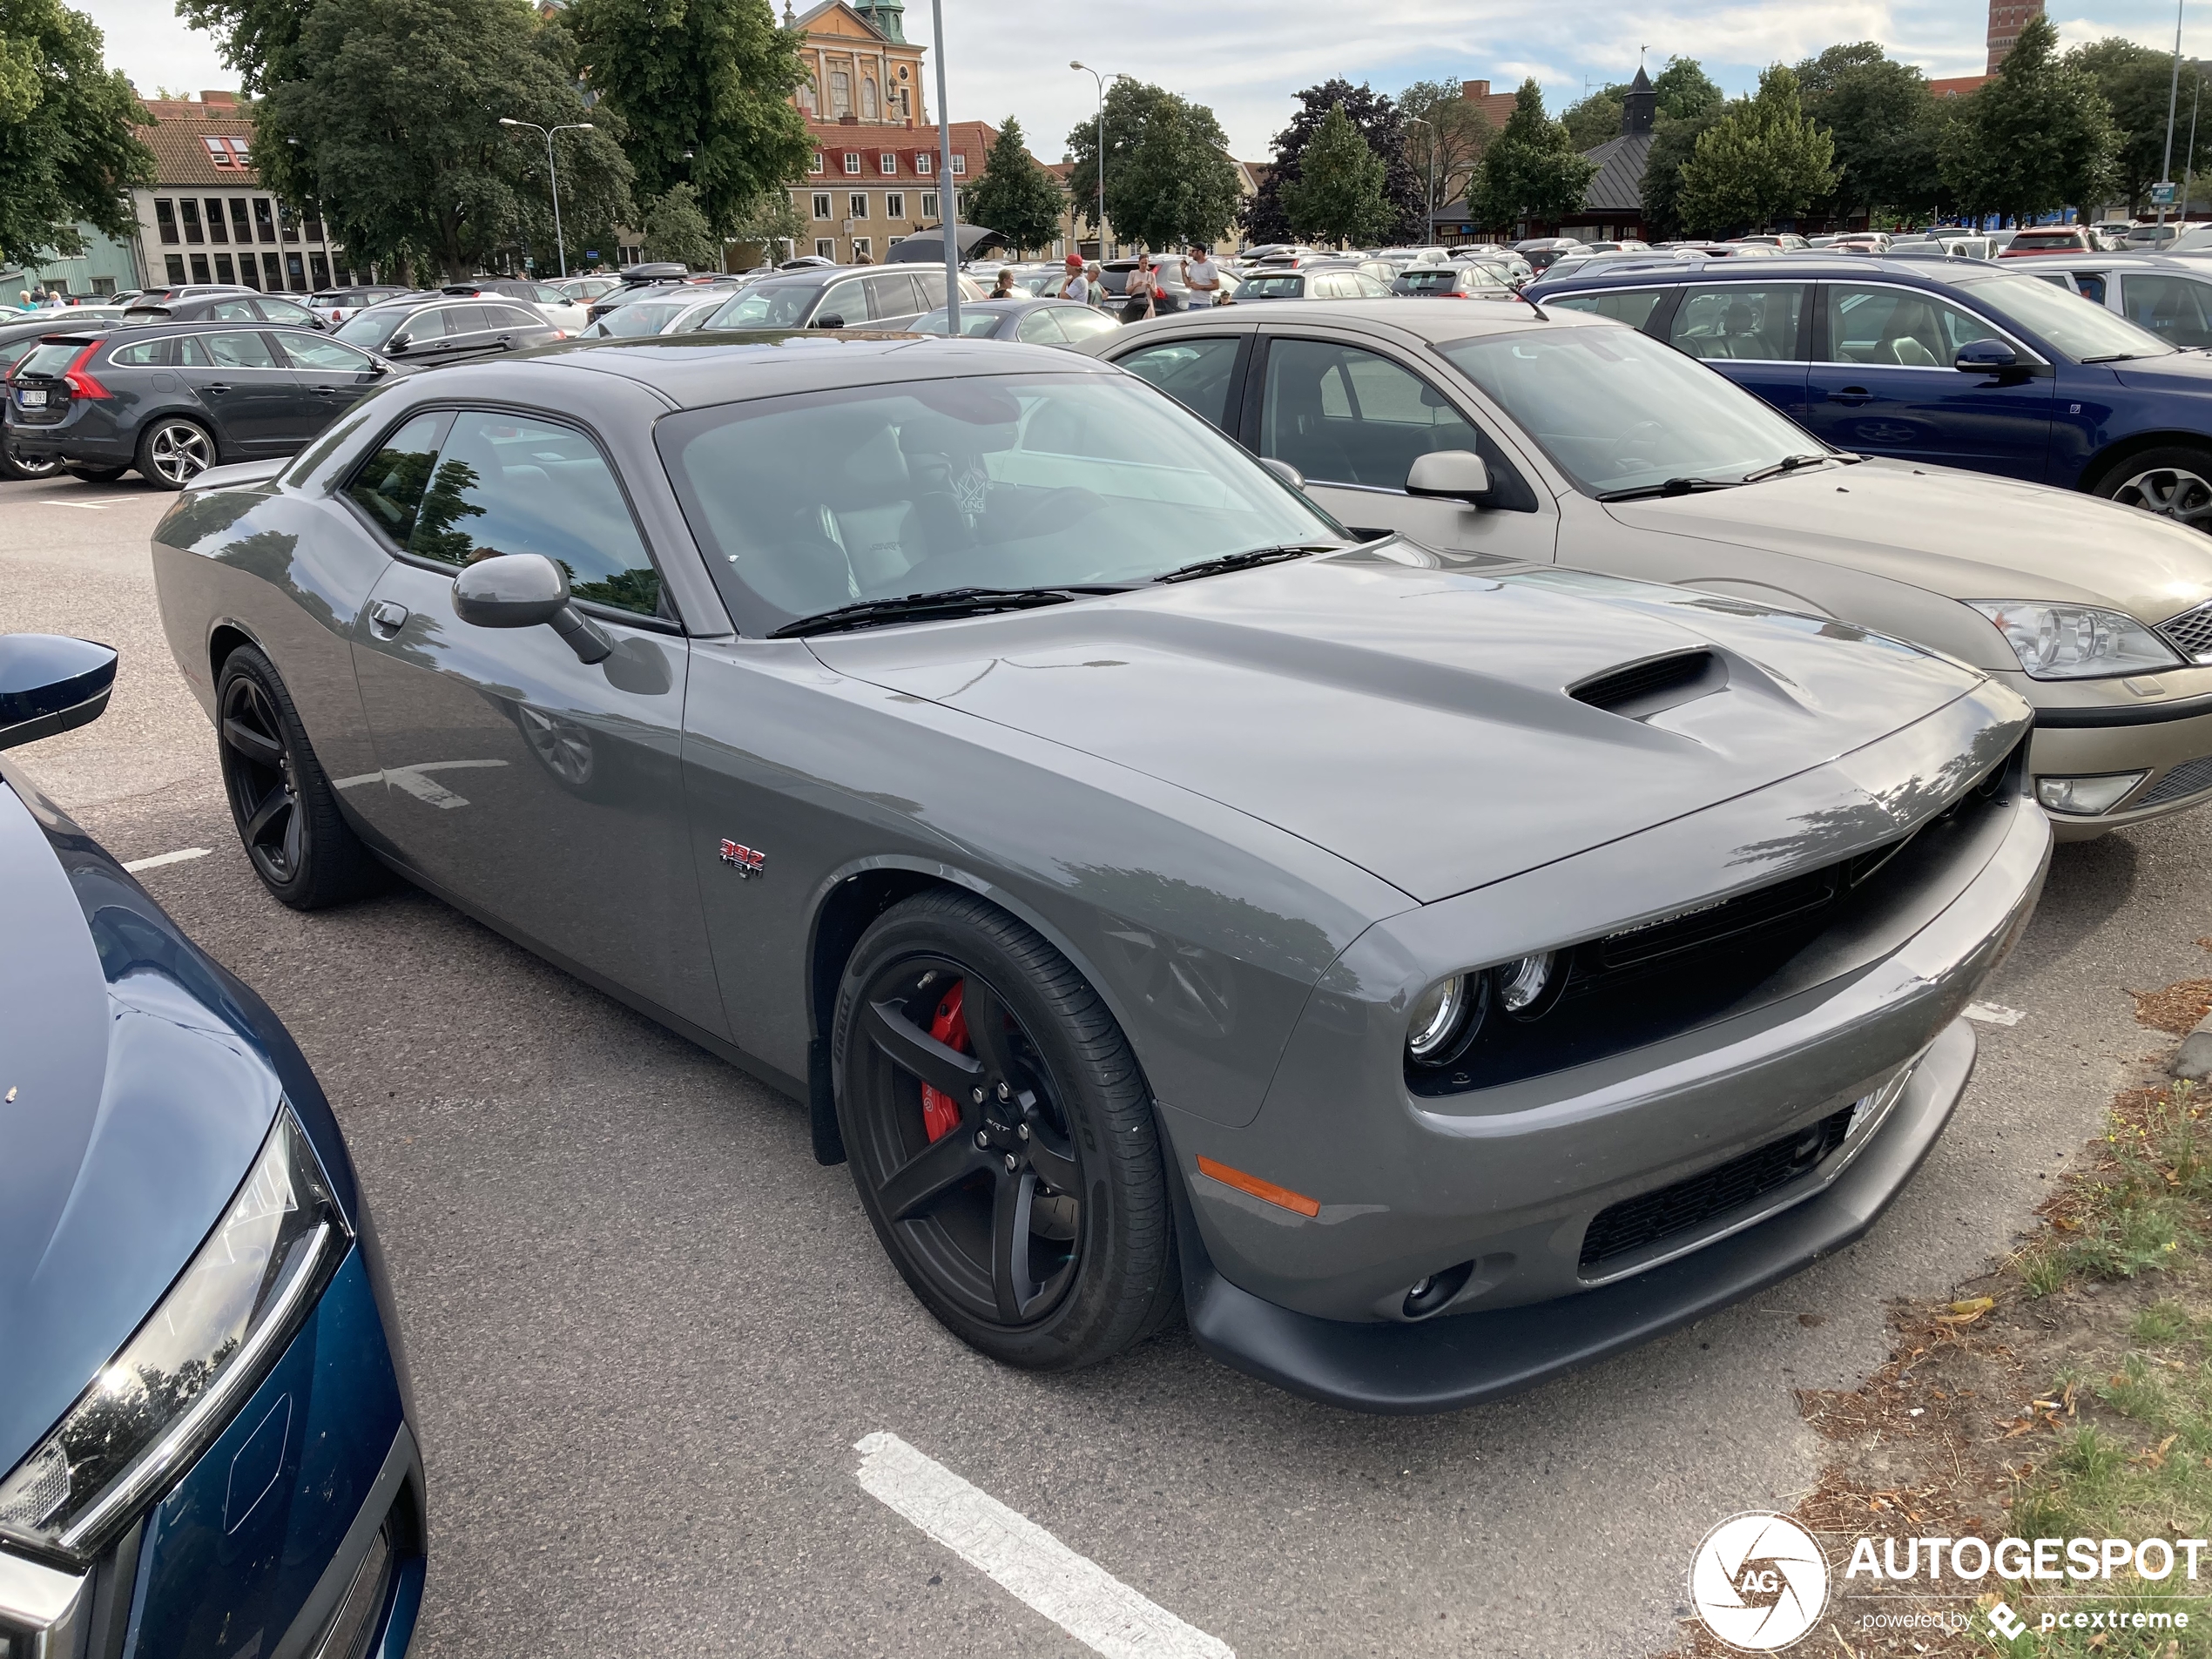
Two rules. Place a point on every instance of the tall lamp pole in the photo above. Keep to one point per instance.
(1100, 79)
(2173, 98)
(1428, 227)
(947, 194)
(553, 178)
(2189, 158)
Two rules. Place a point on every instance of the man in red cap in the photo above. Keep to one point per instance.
(1076, 286)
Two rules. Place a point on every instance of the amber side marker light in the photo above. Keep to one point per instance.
(1259, 1189)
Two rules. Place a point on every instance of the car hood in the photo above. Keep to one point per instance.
(132, 1102)
(1965, 534)
(1408, 711)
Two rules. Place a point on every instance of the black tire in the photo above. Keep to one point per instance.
(174, 450)
(15, 466)
(1037, 1228)
(2175, 482)
(281, 801)
(97, 475)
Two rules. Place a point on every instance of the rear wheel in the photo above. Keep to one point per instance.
(1001, 1137)
(2175, 482)
(97, 475)
(286, 810)
(15, 466)
(174, 451)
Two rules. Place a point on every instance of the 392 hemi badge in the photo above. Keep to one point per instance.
(747, 862)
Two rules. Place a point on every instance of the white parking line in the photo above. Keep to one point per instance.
(1993, 1014)
(1079, 1596)
(160, 858)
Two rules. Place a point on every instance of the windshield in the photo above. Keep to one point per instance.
(772, 305)
(374, 326)
(1618, 411)
(1033, 480)
(2081, 329)
(640, 317)
(1271, 287)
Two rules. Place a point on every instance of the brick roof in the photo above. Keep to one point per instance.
(869, 140)
(178, 134)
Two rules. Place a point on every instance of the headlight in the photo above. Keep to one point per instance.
(1444, 1016)
(1529, 987)
(175, 1384)
(2076, 642)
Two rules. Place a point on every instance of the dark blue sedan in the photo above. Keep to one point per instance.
(1954, 362)
(205, 1440)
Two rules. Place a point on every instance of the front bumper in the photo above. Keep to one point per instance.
(2171, 741)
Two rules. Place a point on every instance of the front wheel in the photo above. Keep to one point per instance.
(1001, 1137)
(286, 810)
(2174, 482)
(175, 451)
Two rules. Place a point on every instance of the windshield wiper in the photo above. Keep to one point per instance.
(925, 607)
(1247, 559)
(1788, 463)
(2116, 357)
(1672, 487)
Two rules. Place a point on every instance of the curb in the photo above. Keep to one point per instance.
(2193, 1061)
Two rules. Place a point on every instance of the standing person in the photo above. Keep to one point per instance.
(1170, 285)
(1097, 299)
(1004, 290)
(1073, 285)
(1138, 303)
(1204, 276)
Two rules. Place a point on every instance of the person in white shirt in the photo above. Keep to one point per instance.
(1204, 277)
(1075, 286)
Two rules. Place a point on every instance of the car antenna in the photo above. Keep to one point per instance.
(1532, 305)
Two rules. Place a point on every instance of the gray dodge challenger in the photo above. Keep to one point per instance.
(1430, 970)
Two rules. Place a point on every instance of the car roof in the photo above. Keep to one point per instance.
(1815, 267)
(1428, 324)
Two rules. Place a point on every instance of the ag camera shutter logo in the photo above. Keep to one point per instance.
(1760, 1580)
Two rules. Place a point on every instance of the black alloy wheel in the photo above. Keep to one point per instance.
(1000, 1135)
(2174, 482)
(286, 811)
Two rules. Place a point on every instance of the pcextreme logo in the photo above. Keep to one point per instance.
(1759, 1581)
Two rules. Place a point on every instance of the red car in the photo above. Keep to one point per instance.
(2056, 239)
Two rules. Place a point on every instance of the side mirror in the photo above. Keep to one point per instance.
(49, 683)
(377, 368)
(1458, 474)
(1986, 357)
(833, 321)
(523, 590)
(399, 346)
(1286, 472)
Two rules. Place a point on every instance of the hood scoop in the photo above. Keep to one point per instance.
(1639, 690)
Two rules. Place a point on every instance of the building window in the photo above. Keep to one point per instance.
(840, 94)
(248, 272)
(264, 219)
(241, 226)
(314, 226)
(806, 102)
(176, 265)
(217, 231)
(868, 97)
(288, 216)
(296, 269)
(165, 217)
(102, 285)
(852, 162)
(929, 204)
(218, 152)
(888, 162)
(272, 274)
(856, 205)
(895, 205)
(816, 164)
(240, 153)
(224, 272)
(903, 100)
(188, 210)
(320, 264)
(924, 162)
(825, 248)
(861, 254)
(821, 204)
(959, 164)
(200, 268)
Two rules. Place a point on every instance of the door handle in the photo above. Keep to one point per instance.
(329, 391)
(1851, 395)
(386, 619)
(218, 386)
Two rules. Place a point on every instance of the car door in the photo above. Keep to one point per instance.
(1882, 383)
(1755, 333)
(843, 305)
(1352, 418)
(1204, 372)
(541, 789)
(333, 374)
(420, 335)
(894, 302)
(241, 380)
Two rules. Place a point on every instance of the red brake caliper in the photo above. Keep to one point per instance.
(939, 1112)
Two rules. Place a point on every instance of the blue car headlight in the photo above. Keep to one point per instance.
(176, 1384)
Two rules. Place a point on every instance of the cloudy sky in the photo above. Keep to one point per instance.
(1245, 57)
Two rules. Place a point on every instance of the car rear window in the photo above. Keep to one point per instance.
(50, 359)
(1273, 287)
(1431, 281)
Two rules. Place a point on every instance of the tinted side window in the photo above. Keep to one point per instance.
(505, 484)
(2173, 307)
(1041, 328)
(893, 295)
(463, 320)
(509, 318)
(318, 351)
(1197, 373)
(1746, 322)
(390, 485)
(239, 349)
(1633, 305)
(932, 288)
(138, 357)
(847, 301)
(1347, 416)
(1902, 328)
(424, 325)
(234, 311)
(285, 310)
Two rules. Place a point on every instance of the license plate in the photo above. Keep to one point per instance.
(30, 397)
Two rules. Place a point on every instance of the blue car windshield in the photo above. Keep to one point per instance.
(2081, 329)
(808, 502)
(1616, 409)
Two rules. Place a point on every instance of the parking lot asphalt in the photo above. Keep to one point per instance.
(647, 1329)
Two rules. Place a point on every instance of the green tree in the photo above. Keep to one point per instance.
(1016, 197)
(1764, 160)
(1885, 123)
(1673, 142)
(1446, 134)
(1594, 119)
(1169, 179)
(1338, 196)
(257, 38)
(676, 228)
(704, 90)
(67, 152)
(396, 109)
(1381, 124)
(1683, 90)
(1530, 170)
(2036, 136)
(774, 227)
(2134, 81)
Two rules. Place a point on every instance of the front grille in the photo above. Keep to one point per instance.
(1635, 1224)
(2185, 780)
(2190, 633)
(1712, 923)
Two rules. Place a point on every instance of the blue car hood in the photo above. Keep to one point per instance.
(133, 1099)
(2187, 371)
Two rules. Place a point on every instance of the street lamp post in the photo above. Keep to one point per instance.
(2173, 98)
(552, 177)
(1428, 226)
(947, 194)
(1100, 79)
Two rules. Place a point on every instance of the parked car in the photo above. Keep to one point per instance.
(17, 338)
(676, 287)
(232, 305)
(1940, 245)
(1787, 241)
(1611, 450)
(588, 288)
(1463, 281)
(1040, 322)
(563, 310)
(172, 400)
(1542, 251)
(2154, 239)
(1211, 1011)
(1314, 281)
(2048, 239)
(2170, 297)
(435, 328)
(876, 297)
(333, 306)
(208, 1438)
(672, 311)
